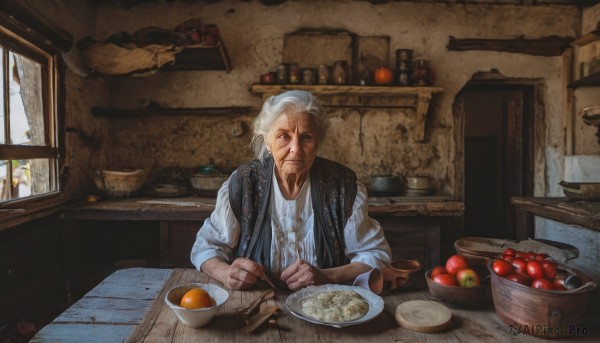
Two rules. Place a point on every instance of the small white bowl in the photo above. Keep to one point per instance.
(199, 317)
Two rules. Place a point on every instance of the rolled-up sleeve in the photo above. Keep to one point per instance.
(220, 233)
(364, 237)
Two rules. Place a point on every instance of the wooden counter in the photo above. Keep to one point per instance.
(412, 225)
(129, 306)
(196, 208)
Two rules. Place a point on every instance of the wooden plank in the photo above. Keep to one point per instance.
(105, 310)
(551, 208)
(545, 46)
(120, 285)
(77, 333)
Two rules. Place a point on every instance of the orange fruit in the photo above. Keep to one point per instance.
(196, 298)
(384, 76)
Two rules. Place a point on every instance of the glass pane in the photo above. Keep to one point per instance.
(4, 189)
(31, 177)
(26, 105)
(2, 137)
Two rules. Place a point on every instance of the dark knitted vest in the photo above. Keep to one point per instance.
(333, 191)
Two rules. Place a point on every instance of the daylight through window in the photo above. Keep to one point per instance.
(28, 142)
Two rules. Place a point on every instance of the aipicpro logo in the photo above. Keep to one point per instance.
(546, 331)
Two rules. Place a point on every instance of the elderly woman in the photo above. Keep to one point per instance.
(299, 218)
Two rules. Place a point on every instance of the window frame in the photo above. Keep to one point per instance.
(22, 39)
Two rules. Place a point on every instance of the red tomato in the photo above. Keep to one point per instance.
(559, 284)
(456, 263)
(437, 270)
(518, 254)
(535, 269)
(540, 257)
(520, 265)
(445, 279)
(508, 258)
(529, 255)
(509, 251)
(549, 269)
(542, 284)
(519, 278)
(502, 267)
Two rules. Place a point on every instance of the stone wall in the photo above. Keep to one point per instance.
(374, 141)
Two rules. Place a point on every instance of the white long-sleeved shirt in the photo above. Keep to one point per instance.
(292, 231)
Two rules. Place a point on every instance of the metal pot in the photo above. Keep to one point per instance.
(385, 184)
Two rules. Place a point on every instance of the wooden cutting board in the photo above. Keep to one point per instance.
(423, 316)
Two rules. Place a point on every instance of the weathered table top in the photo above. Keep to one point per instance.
(129, 306)
(196, 208)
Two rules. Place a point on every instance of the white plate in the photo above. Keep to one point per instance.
(294, 303)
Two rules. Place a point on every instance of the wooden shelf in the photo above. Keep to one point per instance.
(201, 57)
(422, 96)
(592, 80)
(199, 111)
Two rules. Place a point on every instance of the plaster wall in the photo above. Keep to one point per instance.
(253, 34)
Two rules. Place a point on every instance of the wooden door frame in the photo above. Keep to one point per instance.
(533, 138)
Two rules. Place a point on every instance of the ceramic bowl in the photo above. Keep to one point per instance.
(461, 296)
(199, 317)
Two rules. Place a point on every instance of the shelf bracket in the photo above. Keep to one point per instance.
(422, 108)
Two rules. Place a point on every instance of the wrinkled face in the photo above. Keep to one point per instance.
(293, 144)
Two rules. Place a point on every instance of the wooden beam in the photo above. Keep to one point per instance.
(545, 46)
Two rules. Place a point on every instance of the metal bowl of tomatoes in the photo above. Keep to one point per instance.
(536, 300)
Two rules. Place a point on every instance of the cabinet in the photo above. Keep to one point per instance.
(419, 97)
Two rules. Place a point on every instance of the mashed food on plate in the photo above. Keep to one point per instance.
(335, 306)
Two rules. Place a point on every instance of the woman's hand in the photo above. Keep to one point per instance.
(243, 274)
(301, 274)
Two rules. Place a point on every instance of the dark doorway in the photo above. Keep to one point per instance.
(498, 157)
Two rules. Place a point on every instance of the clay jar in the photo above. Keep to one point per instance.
(340, 74)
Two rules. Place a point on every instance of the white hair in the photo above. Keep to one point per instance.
(294, 101)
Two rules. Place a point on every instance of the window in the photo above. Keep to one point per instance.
(29, 154)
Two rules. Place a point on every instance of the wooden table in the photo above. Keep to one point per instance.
(129, 306)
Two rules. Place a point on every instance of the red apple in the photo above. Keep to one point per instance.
(519, 278)
(456, 263)
(509, 251)
(467, 278)
(437, 270)
(445, 279)
(542, 284)
(502, 267)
